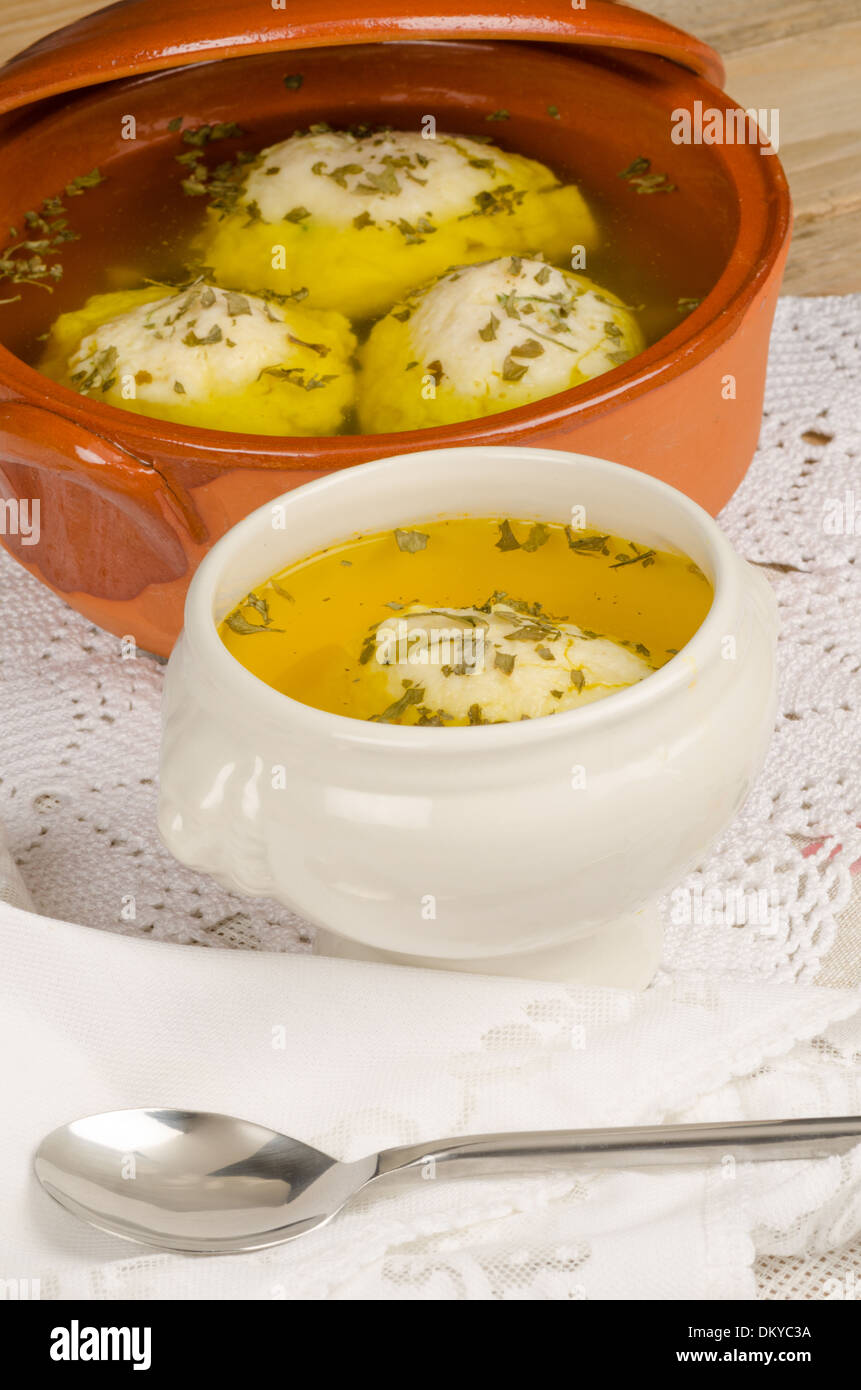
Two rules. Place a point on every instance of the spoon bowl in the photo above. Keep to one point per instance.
(193, 1181)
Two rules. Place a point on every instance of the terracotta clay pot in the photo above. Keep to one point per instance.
(129, 505)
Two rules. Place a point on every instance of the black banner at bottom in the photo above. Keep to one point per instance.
(84, 1338)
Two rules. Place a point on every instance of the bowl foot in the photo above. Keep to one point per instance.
(623, 955)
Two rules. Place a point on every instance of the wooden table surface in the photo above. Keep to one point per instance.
(801, 56)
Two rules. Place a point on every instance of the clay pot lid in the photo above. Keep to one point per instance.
(142, 36)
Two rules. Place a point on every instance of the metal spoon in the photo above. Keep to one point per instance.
(211, 1184)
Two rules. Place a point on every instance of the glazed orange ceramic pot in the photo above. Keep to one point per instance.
(129, 505)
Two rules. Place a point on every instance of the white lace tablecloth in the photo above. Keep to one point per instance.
(80, 731)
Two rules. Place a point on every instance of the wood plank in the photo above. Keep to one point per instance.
(732, 26)
(804, 59)
(22, 22)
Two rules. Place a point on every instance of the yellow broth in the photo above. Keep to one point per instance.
(303, 631)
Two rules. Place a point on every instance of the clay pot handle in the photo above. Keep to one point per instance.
(140, 36)
(37, 439)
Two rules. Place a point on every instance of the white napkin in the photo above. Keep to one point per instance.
(351, 1058)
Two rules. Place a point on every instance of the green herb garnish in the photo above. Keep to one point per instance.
(638, 176)
(437, 719)
(640, 557)
(530, 348)
(98, 372)
(539, 534)
(296, 377)
(531, 632)
(586, 545)
(413, 695)
(415, 235)
(237, 622)
(339, 175)
(385, 182)
(513, 371)
(640, 165)
(201, 135)
(507, 539)
(214, 335)
(320, 348)
(411, 541)
(237, 304)
(77, 186)
(23, 262)
(490, 201)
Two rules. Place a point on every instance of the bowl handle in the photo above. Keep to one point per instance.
(36, 440)
(140, 36)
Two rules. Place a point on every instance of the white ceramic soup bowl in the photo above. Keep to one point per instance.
(536, 848)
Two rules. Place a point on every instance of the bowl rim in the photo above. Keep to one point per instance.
(223, 670)
(763, 227)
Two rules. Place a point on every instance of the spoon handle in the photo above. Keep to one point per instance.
(637, 1146)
